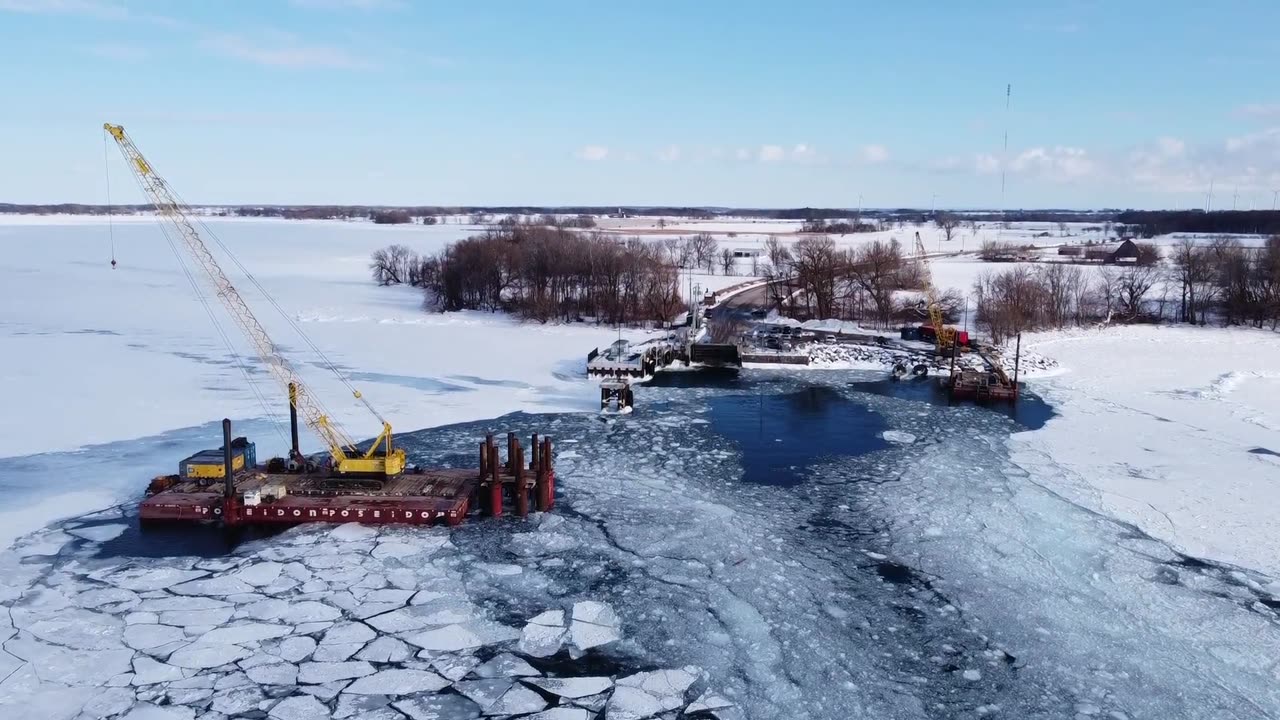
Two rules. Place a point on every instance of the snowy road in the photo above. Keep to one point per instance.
(930, 577)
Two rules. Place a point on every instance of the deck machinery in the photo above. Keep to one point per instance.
(346, 482)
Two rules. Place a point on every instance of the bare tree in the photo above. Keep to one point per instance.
(393, 265)
(727, 261)
(703, 248)
(1062, 228)
(948, 224)
(1132, 285)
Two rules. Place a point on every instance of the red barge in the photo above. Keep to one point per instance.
(246, 494)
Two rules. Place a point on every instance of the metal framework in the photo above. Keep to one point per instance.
(346, 458)
(945, 334)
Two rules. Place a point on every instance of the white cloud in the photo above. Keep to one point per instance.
(1259, 111)
(284, 50)
(770, 153)
(742, 154)
(874, 154)
(1057, 163)
(98, 9)
(670, 153)
(986, 164)
(1250, 163)
(592, 152)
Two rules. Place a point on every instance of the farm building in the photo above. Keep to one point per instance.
(1124, 251)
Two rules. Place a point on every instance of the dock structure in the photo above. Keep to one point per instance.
(248, 495)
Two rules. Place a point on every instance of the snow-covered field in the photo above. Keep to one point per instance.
(1119, 561)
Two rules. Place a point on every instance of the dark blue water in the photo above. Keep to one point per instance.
(781, 435)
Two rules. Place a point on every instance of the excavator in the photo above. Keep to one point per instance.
(382, 460)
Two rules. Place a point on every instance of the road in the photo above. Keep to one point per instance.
(729, 316)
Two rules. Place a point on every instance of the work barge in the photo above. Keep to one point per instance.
(246, 494)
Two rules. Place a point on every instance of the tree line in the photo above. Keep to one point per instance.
(1222, 281)
(544, 273)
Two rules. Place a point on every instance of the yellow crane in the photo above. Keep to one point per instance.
(944, 334)
(382, 459)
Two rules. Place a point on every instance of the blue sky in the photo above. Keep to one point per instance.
(1115, 104)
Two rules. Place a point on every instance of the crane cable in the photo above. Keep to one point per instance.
(272, 417)
(106, 163)
(288, 318)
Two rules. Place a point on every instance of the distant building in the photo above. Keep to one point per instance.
(1125, 251)
(747, 252)
(1071, 250)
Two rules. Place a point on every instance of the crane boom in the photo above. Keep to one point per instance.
(346, 458)
(945, 334)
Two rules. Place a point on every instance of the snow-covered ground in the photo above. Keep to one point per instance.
(95, 357)
(1119, 561)
(1176, 430)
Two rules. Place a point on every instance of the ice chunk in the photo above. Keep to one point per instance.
(196, 618)
(972, 675)
(202, 655)
(506, 665)
(438, 707)
(111, 701)
(276, 673)
(448, 638)
(484, 693)
(573, 688)
(560, 713)
(454, 667)
(106, 596)
(318, 673)
(336, 653)
(533, 544)
(500, 569)
(351, 632)
(397, 682)
(56, 664)
(516, 701)
(294, 649)
(629, 703)
(351, 532)
(309, 611)
(385, 649)
(149, 672)
(544, 634)
(327, 691)
(260, 573)
(706, 702)
(147, 711)
(269, 609)
(899, 437)
(247, 633)
(216, 586)
(388, 595)
(82, 629)
(666, 687)
(594, 624)
(167, 603)
(299, 707)
(100, 533)
(398, 621)
(238, 700)
(395, 550)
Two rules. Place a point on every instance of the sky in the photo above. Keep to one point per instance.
(712, 103)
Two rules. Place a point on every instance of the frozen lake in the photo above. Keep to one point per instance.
(915, 572)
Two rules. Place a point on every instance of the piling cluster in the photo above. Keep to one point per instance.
(515, 478)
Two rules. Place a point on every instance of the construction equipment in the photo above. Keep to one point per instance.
(944, 335)
(382, 459)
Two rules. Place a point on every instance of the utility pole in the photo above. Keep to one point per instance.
(1274, 195)
(1208, 204)
(1234, 194)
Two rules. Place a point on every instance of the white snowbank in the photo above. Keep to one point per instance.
(1167, 428)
